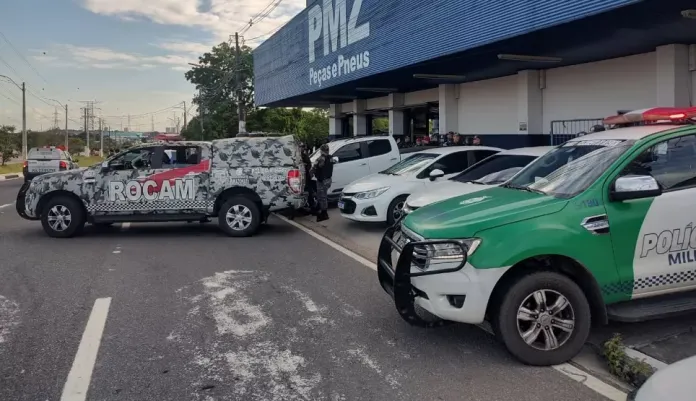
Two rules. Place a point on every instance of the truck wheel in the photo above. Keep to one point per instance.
(62, 217)
(544, 319)
(239, 217)
(395, 210)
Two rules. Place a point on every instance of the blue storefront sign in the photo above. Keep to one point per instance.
(332, 42)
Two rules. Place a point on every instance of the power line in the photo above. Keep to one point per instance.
(260, 16)
(23, 58)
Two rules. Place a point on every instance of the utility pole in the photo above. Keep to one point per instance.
(128, 127)
(185, 122)
(67, 135)
(101, 139)
(55, 117)
(24, 121)
(152, 123)
(87, 128)
(201, 113)
(240, 107)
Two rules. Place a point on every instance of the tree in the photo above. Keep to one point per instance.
(217, 104)
(10, 142)
(216, 80)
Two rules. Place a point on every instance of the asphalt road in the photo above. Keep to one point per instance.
(194, 315)
(8, 191)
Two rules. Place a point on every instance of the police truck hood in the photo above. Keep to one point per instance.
(443, 190)
(464, 216)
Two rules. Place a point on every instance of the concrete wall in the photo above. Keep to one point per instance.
(488, 107)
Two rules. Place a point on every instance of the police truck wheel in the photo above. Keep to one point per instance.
(62, 217)
(395, 210)
(544, 319)
(239, 217)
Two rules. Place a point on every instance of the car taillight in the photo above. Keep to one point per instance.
(25, 164)
(63, 165)
(295, 181)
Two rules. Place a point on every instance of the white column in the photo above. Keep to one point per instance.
(449, 108)
(530, 107)
(673, 76)
(396, 116)
(359, 120)
(335, 126)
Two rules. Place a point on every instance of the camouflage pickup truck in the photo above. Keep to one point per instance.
(238, 180)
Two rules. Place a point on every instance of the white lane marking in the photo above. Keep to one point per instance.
(4, 206)
(332, 244)
(9, 311)
(580, 376)
(125, 226)
(566, 369)
(80, 375)
(118, 249)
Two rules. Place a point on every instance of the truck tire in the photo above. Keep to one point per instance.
(239, 216)
(392, 212)
(62, 217)
(544, 319)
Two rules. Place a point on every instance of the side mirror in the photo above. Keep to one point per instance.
(635, 187)
(334, 159)
(105, 166)
(435, 174)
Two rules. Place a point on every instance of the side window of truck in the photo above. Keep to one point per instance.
(349, 152)
(181, 156)
(672, 163)
(379, 147)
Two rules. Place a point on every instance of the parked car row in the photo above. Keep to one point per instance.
(542, 242)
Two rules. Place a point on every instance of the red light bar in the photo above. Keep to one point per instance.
(652, 115)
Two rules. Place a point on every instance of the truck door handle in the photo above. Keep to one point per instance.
(363, 164)
(394, 158)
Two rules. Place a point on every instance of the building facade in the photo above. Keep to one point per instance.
(513, 72)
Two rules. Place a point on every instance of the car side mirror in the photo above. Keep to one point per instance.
(105, 166)
(334, 159)
(435, 174)
(635, 187)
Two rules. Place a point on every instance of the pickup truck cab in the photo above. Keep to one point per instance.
(599, 228)
(48, 159)
(358, 157)
(238, 180)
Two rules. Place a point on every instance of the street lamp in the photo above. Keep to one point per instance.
(24, 113)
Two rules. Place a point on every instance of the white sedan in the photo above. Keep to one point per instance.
(380, 197)
(494, 170)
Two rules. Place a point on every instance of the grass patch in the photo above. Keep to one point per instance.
(83, 161)
(627, 369)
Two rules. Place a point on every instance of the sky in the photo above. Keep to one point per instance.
(127, 55)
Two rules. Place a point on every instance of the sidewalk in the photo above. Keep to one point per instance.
(657, 342)
(11, 176)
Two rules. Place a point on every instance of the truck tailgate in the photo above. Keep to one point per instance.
(43, 166)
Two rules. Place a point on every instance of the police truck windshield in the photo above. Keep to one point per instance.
(569, 169)
(494, 170)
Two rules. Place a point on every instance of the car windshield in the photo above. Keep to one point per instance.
(494, 170)
(569, 169)
(410, 164)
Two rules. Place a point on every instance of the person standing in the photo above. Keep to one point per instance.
(323, 171)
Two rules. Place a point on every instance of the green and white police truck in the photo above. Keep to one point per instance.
(599, 228)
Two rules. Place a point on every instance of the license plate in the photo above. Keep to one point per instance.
(43, 170)
(341, 205)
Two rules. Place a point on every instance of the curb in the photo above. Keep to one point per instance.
(11, 176)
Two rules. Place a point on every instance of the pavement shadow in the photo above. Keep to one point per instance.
(273, 228)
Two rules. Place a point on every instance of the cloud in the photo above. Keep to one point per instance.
(221, 18)
(193, 48)
(107, 59)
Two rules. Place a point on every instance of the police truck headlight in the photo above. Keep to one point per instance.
(452, 252)
(371, 194)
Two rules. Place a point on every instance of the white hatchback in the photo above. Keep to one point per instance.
(494, 170)
(380, 197)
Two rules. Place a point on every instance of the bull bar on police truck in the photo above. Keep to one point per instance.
(396, 280)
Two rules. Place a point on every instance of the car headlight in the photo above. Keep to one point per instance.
(452, 252)
(371, 194)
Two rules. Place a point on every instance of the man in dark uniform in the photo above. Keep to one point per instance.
(323, 171)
